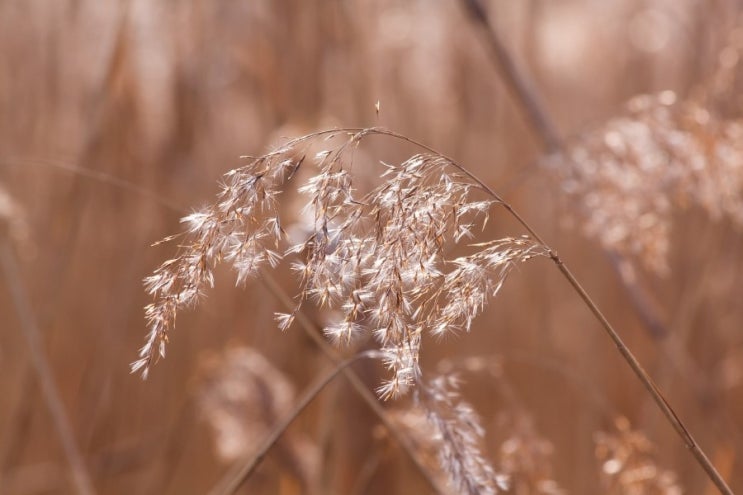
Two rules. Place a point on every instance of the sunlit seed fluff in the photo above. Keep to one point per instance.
(284, 320)
(342, 333)
(378, 257)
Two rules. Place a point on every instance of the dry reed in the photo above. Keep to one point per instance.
(628, 463)
(160, 98)
(241, 395)
(378, 257)
(635, 172)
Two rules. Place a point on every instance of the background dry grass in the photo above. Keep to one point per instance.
(119, 116)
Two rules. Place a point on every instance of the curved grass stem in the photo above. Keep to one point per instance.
(539, 120)
(625, 352)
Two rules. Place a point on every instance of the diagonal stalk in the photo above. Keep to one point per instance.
(546, 131)
(542, 125)
(242, 470)
(625, 352)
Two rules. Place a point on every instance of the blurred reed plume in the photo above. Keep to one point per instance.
(455, 430)
(447, 432)
(632, 174)
(628, 463)
(525, 457)
(242, 395)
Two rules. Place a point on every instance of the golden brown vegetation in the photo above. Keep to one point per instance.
(119, 117)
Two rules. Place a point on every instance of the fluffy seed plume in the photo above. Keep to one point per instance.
(377, 258)
(454, 427)
(663, 153)
(631, 174)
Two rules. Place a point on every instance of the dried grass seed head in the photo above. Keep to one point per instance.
(378, 257)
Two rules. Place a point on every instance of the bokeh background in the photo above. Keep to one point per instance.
(118, 117)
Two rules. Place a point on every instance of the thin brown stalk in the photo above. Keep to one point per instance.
(546, 131)
(80, 476)
(517, 84)
(625, 352)
(241, 471)
(628, 356)
(647, 382)
(99, 177)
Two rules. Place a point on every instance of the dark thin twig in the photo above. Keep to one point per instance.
(545, 130)
(517, 84)
(80, 476)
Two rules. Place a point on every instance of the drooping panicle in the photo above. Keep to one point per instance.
(377, 258)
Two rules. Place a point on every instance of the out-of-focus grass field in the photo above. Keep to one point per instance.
(117, 118)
